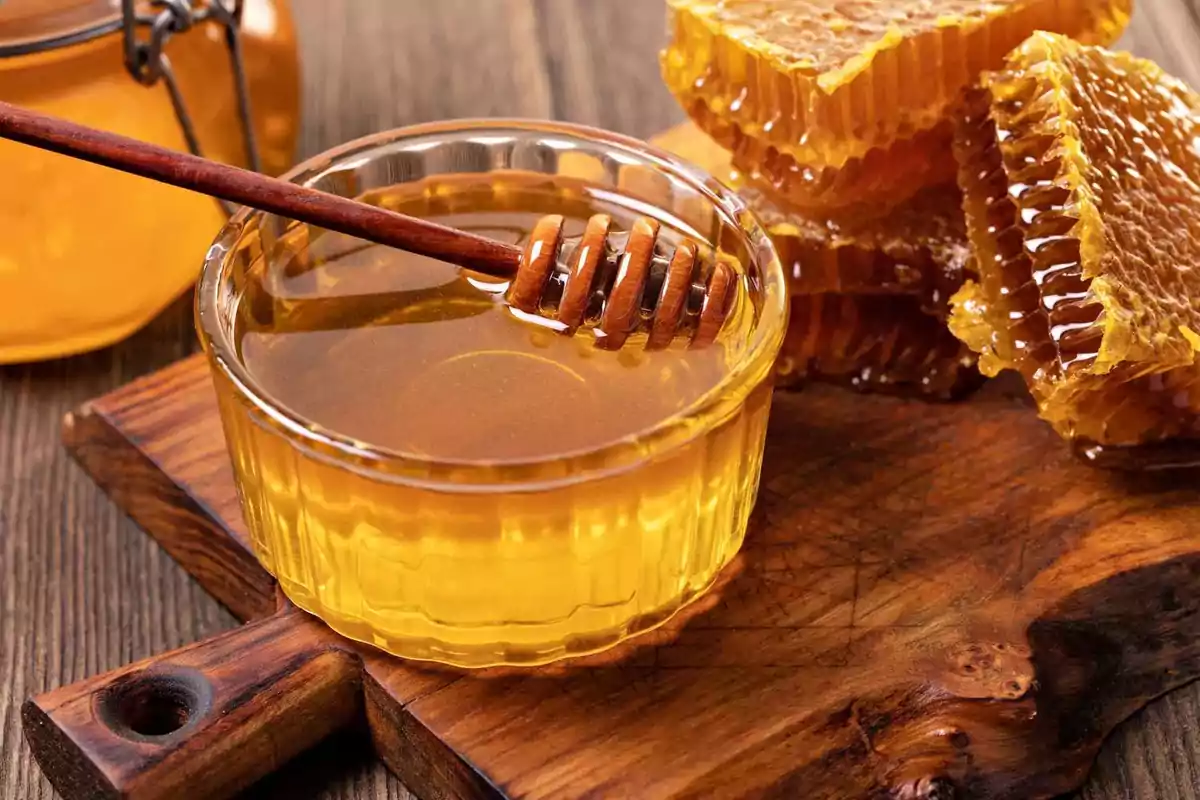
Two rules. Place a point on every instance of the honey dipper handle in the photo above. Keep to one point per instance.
(253, 189)
(204, 721)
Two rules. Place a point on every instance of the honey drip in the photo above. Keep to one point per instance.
(1078, 167)
(801, 90)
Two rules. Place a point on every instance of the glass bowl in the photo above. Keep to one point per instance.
(475, 564)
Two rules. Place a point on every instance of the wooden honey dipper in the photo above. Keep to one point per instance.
(607, 277)
(617, 283)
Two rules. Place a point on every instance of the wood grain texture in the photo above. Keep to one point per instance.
(82, 590)
(207, 720)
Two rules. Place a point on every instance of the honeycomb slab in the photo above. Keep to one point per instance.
(869, 288)
(807, 89)
(917, 248)
(874, 343)
(883, 176)
(1079, 168)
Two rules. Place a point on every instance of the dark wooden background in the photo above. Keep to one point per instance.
(83, 591)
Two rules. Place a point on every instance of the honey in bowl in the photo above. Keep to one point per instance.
(466, 377)
(429, 470)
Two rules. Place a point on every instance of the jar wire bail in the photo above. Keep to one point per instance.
(147, 61)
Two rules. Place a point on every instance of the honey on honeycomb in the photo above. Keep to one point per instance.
(804, 89)
(1080, 170)
(869, 288)
(917, 248)
(890, 173)
(874, 343)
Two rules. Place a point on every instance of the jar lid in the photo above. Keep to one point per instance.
(29, 26)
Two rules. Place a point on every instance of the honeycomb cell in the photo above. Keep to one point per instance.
(803, 89)
(1079, 170)
(917, 248)
(883, 176)
(874, 343)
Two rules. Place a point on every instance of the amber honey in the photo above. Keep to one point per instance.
(462, 375)
(463, 482)
(90, 254)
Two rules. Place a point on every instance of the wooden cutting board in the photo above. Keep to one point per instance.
(934, 601)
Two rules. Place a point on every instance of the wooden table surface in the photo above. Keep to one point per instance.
(83, 591)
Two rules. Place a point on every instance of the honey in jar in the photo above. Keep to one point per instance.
(432, 471)
(90, 254)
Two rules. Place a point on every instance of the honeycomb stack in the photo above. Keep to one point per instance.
(870, 292)
(1081, 171)
(833, 118)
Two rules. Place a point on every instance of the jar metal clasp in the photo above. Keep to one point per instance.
(147, 61)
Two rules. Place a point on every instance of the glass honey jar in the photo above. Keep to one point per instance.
(433, 472)
(89, 254)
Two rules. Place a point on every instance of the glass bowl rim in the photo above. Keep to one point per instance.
(670, 433)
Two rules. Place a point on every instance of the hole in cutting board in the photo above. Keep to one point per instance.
(154, 704)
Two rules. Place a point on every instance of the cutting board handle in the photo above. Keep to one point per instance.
(203, 721)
